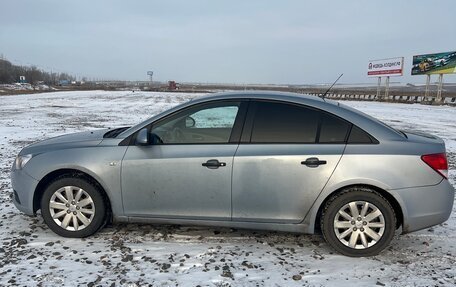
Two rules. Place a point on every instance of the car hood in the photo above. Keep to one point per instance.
(82, 139)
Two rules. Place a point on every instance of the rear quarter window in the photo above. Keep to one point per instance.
(358, 136)
(333, 129)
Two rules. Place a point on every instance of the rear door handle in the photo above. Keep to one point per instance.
(313, 162)
(213, 164)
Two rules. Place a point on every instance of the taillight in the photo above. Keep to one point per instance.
(438, 162)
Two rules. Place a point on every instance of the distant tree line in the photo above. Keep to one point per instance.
(10, 73)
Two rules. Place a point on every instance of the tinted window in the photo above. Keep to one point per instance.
(209, 124)
(357, 135)
(333, 129)
(284, 123)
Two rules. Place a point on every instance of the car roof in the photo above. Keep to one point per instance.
(373, 126)
(258, 94)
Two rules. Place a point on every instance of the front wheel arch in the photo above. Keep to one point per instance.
(50, 177)
(394, 203)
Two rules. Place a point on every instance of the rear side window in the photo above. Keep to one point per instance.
(276, 122)
(284, 123)
(333, 129)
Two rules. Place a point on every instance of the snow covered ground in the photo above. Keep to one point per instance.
(139, 255)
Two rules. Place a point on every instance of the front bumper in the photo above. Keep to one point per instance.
(23, 187)
(426, 206)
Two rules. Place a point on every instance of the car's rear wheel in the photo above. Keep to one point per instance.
(358, 222)
(73, 207)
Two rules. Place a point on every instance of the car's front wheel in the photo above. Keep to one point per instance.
(358, 222)
(73, 207)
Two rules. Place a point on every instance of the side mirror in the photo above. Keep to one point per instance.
(142, 138)
(189, 122)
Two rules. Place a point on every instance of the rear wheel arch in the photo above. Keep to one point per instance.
(52, 176)
(388, 196)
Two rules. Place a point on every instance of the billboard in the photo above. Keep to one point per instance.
(438, 63)
(385, 67)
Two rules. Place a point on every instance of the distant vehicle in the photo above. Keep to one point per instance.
(275, 161)
(440, 62)
(426, 65)
(64, 82)
(172, 85)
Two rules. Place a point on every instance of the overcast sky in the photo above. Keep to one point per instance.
(295, 42)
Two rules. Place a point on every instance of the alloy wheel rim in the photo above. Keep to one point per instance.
(72, 208)
(359, 224)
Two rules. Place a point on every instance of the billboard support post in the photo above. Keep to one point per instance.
(426, 91)
(385, 68)
(379, 82)
(387, 83)
(439, 88)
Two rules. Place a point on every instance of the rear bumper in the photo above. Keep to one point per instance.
(423, 207)
(23, 187)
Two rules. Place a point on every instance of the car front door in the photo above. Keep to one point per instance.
(185, 171)
(286, 156)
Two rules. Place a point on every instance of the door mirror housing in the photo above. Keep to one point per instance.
(189, 122)
(142, 138)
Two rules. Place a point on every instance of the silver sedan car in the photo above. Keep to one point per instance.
(260, 160)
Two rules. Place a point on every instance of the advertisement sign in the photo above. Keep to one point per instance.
(438, 63)
(385, 67)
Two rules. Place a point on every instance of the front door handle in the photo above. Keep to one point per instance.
(313, 162)
(213, 163)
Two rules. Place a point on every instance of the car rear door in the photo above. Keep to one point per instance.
(186, 170)
(287, 154)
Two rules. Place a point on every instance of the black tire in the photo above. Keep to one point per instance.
(357, 194)
(99, 217)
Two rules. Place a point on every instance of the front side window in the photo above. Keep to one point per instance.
(211, 123)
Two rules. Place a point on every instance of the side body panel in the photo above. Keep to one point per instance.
(389, 166)
(103, 164)
(271, 185)
(170, 181)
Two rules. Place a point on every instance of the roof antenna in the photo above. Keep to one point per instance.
(323, 96)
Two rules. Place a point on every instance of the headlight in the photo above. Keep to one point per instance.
(21, 160)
